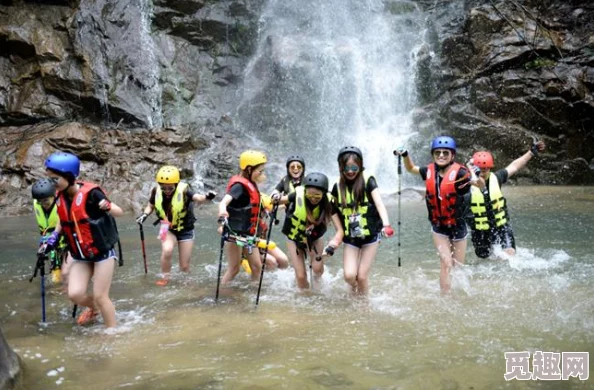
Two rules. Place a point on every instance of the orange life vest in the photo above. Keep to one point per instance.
(86, 237)
(239, 217)
(442, 206)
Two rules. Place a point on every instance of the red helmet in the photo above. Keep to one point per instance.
(483, 160)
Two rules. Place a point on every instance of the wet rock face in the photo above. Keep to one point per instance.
(508, 72)
(10, 366)
(123, 162)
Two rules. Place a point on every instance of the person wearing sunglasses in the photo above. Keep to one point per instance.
(87, 222)
(241, 212)
(309, 211)
(295, 174)
(446, 184)
(363, 217)
(489, 219)
(173, 201)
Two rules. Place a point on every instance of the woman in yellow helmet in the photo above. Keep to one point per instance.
(241, 209)
(173, 200)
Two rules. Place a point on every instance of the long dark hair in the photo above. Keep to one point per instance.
(358, 185)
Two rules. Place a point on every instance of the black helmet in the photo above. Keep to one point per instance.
(350, 149)
(43, 188)
(299, 159)
(316, 179)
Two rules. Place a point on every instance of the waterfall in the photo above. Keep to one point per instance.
(149, 66)
(331, 73)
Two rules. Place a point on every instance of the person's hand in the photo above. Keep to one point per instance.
(51, 241)
(328, 251)
(537, 147)
(210, 195)
(142, 218)
(275, 198)
(105, 205)
(401, 151)
(387, 231)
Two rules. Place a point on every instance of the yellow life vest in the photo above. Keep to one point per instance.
(299, 217)
(497, 205)
(177, 206)
(367, 213)
(45, 224)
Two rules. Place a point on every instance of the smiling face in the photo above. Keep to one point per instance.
(442, 157)
(351, 168)
(295, 169)
(313, 195)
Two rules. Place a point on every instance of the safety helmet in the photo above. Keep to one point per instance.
(316, 179)
(168, 175)
(350, 149)
(443, 142)
(299, 159)
(63, 163)
(483, 159)
(43, 188)
(251, 158)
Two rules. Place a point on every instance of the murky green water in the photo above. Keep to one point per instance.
(406, 337)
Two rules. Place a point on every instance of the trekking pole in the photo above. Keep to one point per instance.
(74, 308)
(272, 219)
(399, 196)
(40, 266)
(143, 247)
(223, 238)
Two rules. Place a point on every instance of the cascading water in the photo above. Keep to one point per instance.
(330, 73)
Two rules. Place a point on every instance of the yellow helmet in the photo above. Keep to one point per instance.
(251, 158)
(168, 175)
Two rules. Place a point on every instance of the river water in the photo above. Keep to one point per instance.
(406, 336)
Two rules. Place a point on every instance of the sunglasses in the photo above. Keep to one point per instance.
(167, 188)
(351, 168)
(314, 196)
(445, 153)
(296, 166)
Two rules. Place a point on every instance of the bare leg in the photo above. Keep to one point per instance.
(368, 253)
(233, 262)
(298, 261)
(166, 254)
(80, 276)
(442, 244)
(351, 266)
(103, 274)
(185, 252)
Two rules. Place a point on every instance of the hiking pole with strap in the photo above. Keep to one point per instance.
(272, 219)
(223, 239)
(40, 266)
(143, 247)
(399, 196)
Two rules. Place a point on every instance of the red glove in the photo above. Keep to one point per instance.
(387, 231)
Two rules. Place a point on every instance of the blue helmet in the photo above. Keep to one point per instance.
(63, 163)
(443, 142)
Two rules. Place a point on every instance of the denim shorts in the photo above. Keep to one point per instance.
(184, 235)
(455, 233)
(98, 258)
(360, 242)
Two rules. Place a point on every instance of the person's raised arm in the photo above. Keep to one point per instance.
(521, 162)
(408, 162)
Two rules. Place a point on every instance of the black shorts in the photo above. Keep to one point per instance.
(455, 233)
(483, 240)
(359, 242)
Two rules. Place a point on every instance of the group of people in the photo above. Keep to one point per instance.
(77, 218)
